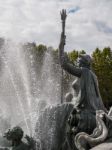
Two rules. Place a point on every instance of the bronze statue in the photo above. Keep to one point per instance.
(15, 135)
(88, 100)
(101, 138)
(90, 96)
(98, 136)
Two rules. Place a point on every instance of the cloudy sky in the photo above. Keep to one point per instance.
(89, 22)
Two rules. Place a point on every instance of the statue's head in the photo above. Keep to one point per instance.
(84, 60)
(14, 134)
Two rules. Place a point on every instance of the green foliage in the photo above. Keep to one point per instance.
(40, 51)
(35, 49)
(41, 48)
(82, 52)
(102, 66)
(73, 55)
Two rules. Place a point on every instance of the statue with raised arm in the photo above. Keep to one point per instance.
(88, 100)
(89, 91)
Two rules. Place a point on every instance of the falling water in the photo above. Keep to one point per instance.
(17, 72)
(16, 91)
(50, 96)
(50, 82)
(22, 91)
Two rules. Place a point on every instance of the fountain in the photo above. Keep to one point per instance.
(17, 93)
(23, 93)
(31, 96)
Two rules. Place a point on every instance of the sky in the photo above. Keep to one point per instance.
(88, 24)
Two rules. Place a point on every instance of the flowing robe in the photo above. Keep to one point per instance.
(90, 96)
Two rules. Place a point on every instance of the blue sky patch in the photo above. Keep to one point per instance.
(74, 10)
(103, 27)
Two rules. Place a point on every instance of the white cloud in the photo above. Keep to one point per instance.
(39, 21)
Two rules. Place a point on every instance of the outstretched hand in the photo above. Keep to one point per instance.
(63, 37)
(63, 14)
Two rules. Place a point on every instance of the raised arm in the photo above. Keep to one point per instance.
(62, 39)
(65, 64)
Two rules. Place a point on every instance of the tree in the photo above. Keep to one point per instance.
(102, 65)
(41, 48)
(73, 55)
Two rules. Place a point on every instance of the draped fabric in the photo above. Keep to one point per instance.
(90, 95)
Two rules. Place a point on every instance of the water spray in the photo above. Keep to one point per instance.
(16, 90)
